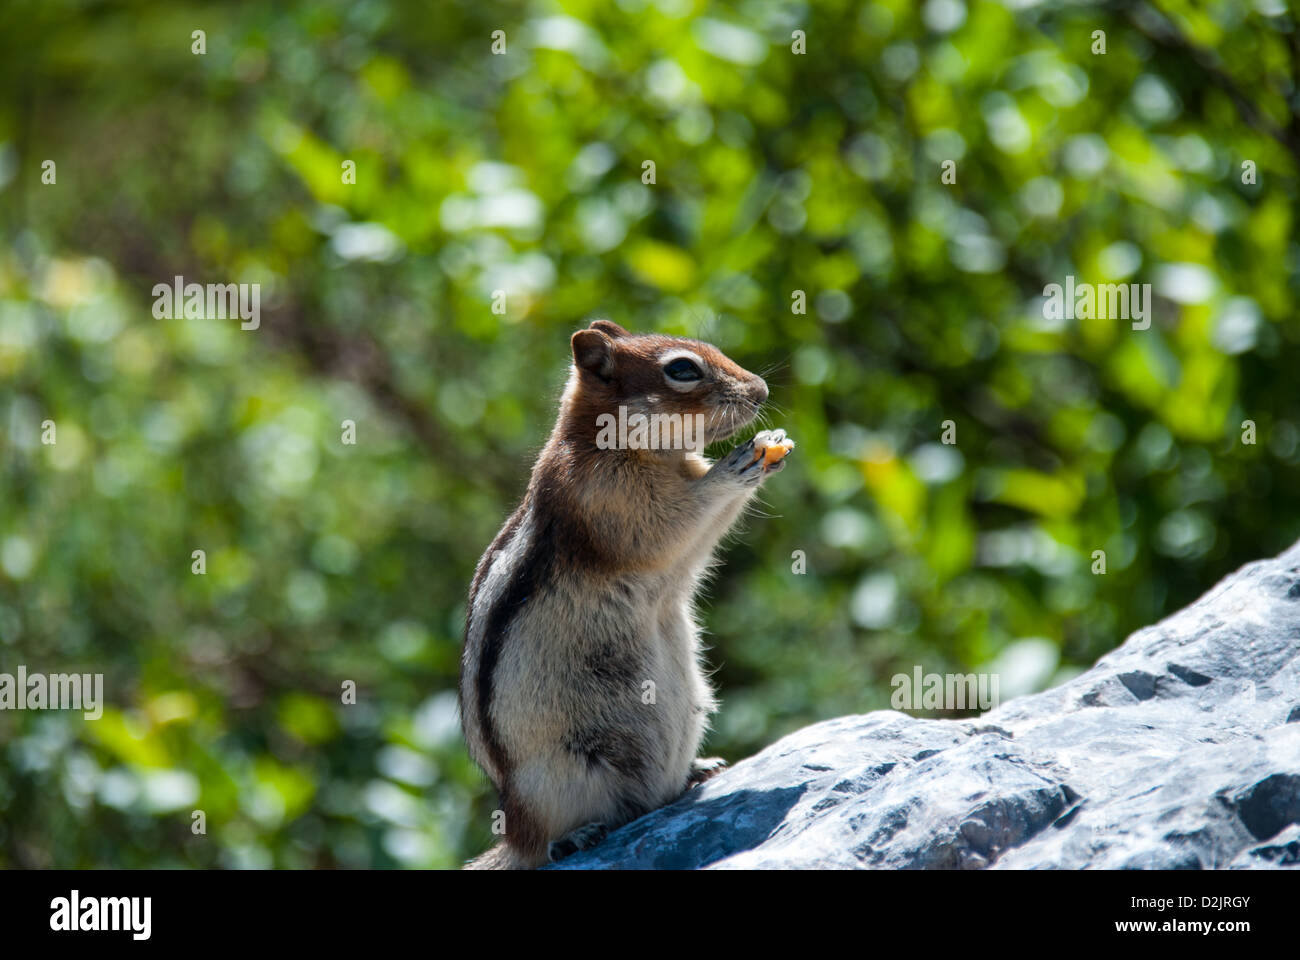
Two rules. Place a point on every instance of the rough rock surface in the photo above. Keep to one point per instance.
(1179, 749)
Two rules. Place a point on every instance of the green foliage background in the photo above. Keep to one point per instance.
(775, 172)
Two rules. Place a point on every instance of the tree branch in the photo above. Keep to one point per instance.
(1161, 30)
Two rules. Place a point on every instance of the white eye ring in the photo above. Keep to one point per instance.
(683, 386)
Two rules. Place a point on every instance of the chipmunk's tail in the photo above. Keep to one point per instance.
(500, 857)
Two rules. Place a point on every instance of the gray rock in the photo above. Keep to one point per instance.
(1179, 749)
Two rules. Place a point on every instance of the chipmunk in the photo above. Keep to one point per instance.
(581, 691)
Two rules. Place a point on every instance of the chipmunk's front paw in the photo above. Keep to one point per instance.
(760, 457)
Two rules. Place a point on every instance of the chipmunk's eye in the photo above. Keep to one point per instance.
(683, 371)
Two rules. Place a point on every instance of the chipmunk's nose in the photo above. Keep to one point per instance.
(758, 390)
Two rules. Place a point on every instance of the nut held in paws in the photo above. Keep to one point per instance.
(772, 446)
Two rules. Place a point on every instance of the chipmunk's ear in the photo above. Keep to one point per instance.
(593, 352)
(609, 327)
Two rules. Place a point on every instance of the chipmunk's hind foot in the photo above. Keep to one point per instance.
(702, 768)
(583, 838)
